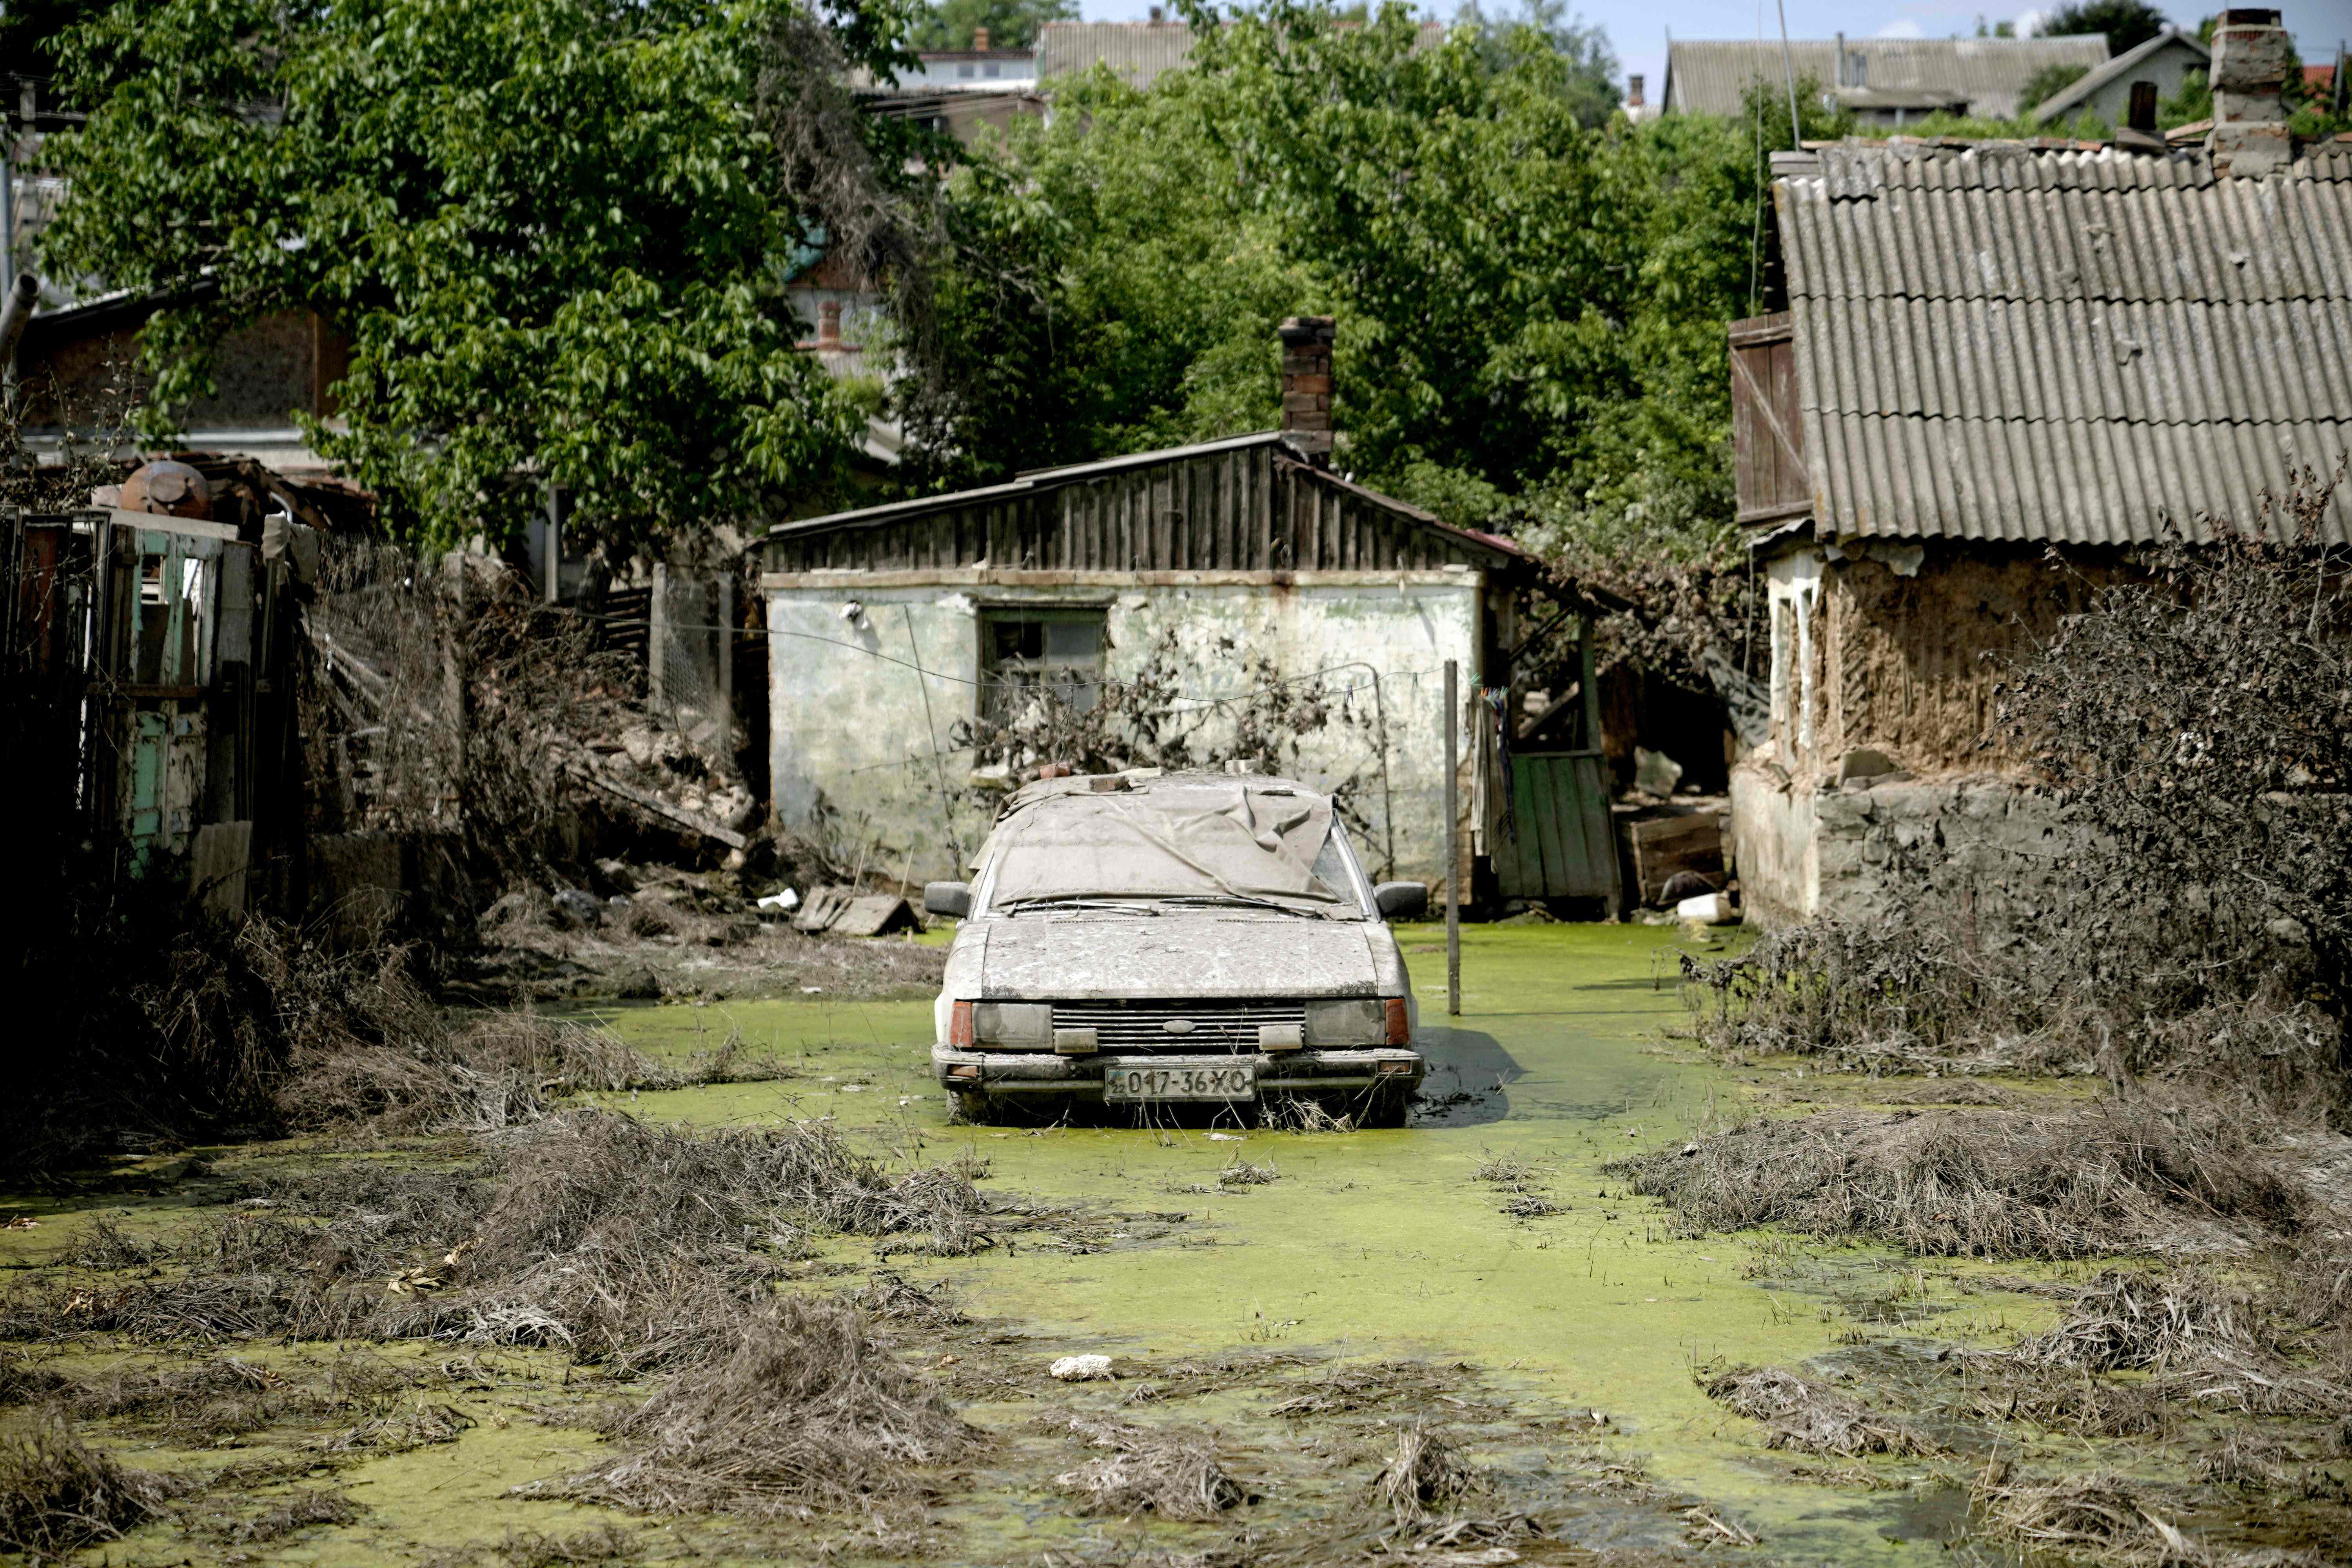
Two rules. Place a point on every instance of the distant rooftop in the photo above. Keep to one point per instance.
(1916, 75)
(1138, 52)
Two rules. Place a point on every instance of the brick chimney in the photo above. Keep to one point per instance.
(980, 37)
(1307, 386)
(1634, 90)
(2249, 138)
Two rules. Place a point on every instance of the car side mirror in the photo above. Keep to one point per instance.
(1402, 900)
(952, 900)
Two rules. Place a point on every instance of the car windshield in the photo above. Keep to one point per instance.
(1206, 844)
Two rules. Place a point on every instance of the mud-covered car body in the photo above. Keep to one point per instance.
(1177, 938)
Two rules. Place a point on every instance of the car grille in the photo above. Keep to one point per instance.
(1220, 1025)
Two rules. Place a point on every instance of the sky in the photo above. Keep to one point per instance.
(1637, 28)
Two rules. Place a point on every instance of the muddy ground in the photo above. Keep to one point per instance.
(1461, 1343)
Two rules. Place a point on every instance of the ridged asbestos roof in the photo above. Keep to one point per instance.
(1709, 75)
(1994, 342)
(1139, 53)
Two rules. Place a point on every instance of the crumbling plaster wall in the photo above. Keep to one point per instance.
(1886, 656)
(858, 734)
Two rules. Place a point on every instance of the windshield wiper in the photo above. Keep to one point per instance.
(1243, 900)
(1081, 902)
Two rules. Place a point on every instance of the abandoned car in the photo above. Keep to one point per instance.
(1140, 940)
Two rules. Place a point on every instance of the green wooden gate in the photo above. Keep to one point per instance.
(1557, 842)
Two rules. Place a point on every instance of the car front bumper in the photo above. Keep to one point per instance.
(1043, 1074)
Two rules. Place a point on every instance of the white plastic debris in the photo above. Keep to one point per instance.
(1081, 1368)
(1708, 908)
(783, 903)
(1228, 1138)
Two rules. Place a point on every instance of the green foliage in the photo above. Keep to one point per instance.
(552, 233)
(2048, 83)
(1587, 78)
(30, 31)
(1530, 308)
(1010, 23)
(2128, 24)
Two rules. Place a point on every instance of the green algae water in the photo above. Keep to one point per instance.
(1367, 1248)
(1384, 1243)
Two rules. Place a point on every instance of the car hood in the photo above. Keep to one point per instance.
(1182, 955)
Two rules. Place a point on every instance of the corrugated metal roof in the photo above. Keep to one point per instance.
(1995, 342)
(1140, 52)
(2063, 102)
(1137, 52)
(1710, 76)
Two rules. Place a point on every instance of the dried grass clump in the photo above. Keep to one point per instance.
(57, 1495)
(302, 1511)
(2117, 1176)
(1175, 1476)
(1808, 1417)
(1505, 1169)
(403, 1430)
(1240, 1172)
(529, 1549)
(1426, 1475)
(503, 1071)
(2145, 1322)
(2100, 1517)
(808, 1412)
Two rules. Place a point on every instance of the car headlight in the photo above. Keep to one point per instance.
(1013, 1025)
(1358, 1021)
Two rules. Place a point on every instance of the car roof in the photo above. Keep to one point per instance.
(1153, 781)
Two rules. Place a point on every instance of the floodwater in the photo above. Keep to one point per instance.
(1383, 1244)
(1375, 1246)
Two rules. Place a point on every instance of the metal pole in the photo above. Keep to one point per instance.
(1453, 843)
(1788, 65)
(552, 556)
(8, 248)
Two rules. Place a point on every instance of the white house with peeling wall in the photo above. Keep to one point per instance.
(876, 674)
(1237, 593)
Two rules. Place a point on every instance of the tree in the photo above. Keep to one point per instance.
(1588, 79)
(2128, 24)
(1532, 309)
(2048, 83)
(1010, 23)
(554, 234)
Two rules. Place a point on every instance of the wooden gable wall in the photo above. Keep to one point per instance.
(1250, 508)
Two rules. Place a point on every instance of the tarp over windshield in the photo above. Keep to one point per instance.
(1199, 841)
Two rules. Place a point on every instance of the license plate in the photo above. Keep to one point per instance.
(1180, 1080)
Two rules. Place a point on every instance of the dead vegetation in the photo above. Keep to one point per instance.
(1175, 1476)
(2097, 1517)
(2112, 1176)
(2141, 1322)
(1808, 1417)
(808, 1412)
(59, 1495)
(1426, 1476)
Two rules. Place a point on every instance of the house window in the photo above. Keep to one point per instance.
(963, 71)
(1026, 651)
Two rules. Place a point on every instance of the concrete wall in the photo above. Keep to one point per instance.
(1806, 849)
(861, 752)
